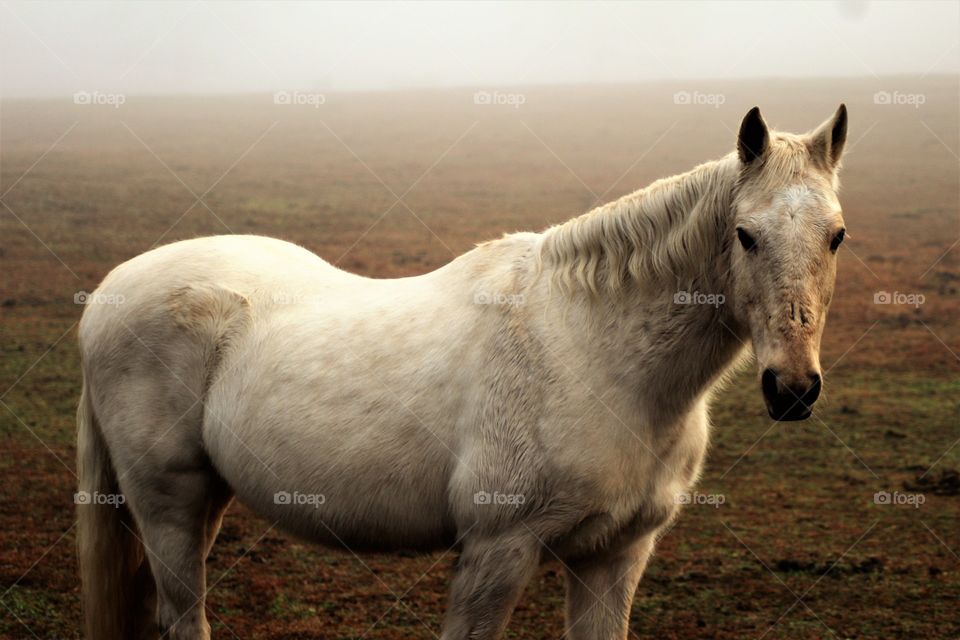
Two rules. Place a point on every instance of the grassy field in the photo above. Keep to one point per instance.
(389, 184)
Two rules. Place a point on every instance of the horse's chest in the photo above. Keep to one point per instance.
(646, 494)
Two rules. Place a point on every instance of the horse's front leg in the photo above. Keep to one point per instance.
(600, 592)
(491, 574)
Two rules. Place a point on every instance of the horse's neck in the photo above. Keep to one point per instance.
(693, 335)
(656, 345)
(701, 342)
(667, 354)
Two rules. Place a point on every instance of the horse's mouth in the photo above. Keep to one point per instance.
(790, 414)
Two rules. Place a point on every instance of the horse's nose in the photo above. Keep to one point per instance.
(813, 391)
(787, 402)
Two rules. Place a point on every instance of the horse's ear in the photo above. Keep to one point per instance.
(754, 137)
(828, 140)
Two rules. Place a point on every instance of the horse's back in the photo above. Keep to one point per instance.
(196, 278)
(240, 262)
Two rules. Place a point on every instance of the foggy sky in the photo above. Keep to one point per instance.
(49, 49)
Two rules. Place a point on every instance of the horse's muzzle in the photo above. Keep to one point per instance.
(786, 403)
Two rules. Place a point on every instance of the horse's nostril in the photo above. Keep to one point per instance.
(768, 382)
(813, 391)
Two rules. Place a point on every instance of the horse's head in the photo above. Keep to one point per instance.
(788, 227)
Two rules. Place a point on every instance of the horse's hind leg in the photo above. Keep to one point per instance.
(221, 495)
(177, 501)
(177, 513)
(490, 578)
(600, 592)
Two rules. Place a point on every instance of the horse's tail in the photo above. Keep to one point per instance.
(115, 577)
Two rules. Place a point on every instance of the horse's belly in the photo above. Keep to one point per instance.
(370, 519)
(342, 496)
(345, 468)
(340, 427)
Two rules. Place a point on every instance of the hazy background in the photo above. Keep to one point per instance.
(58, 48)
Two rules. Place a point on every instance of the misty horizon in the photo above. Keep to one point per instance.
(691, 84)
(57, 49)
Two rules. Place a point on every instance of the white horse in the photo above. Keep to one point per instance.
(543, 396)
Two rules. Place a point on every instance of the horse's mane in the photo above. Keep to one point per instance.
(664, 232)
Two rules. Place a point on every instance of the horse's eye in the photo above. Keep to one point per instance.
(837, 239)
(746, 240)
